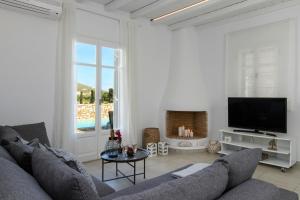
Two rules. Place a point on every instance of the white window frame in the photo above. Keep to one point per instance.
(256, 65)
(99, 44)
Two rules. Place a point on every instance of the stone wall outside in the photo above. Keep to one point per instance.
(88, 111)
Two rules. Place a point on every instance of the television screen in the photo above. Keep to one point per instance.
(266, 114)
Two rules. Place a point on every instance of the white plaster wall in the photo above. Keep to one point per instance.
(153, 61)
(185, 89)
(212, 59)
(28, 58)
(27, 69)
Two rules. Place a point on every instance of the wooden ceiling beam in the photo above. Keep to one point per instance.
(196, 10)
(116, 4)
(156, 5)
(201, 19)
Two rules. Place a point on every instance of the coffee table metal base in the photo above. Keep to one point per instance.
(124, 175)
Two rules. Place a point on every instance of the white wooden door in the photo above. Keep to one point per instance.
(96, 66)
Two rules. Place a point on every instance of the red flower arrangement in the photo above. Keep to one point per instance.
(119, 136)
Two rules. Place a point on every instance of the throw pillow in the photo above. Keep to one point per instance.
(21, 152)
(7, 133)
(207, 184)
(71, 160)
(59, 180)
(242, 165)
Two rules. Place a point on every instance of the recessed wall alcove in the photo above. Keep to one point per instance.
(194, 120)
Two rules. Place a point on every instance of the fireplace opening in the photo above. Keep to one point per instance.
(193, 121)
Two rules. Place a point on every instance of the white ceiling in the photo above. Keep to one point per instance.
(209, 11)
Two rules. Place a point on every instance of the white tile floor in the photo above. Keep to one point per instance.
(156, 166)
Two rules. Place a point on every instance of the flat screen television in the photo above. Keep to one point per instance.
(258, 114)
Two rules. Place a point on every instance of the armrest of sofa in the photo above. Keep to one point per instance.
(102, 188)
(145, 185)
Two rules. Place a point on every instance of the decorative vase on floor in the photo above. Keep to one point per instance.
(214, 146)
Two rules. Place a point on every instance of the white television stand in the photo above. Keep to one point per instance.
(284, 157)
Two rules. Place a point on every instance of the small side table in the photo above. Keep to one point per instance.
(140, 155)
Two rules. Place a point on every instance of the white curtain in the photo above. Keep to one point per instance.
(64, 131)
(127, 83)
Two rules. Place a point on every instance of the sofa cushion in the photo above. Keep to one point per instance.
(6, 155)
(102, 188)
(16, 184)
(253, 189)
(8, 133)
(21, 152)
(59, 180)
(207, 184)
(242, 165)
(31, 131)
(71, 160)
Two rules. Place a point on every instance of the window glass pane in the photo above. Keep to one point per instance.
(107, 96)
(108, 56)
(86, 107)
(85, 53)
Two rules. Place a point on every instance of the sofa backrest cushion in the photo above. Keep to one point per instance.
(6, 155)
(8, 133)
(242, 165)
(31, 131)
(17, 184)
(207, 184)
(58, 179)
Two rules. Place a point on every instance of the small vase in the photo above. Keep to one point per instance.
(120, 149)
(130, 152)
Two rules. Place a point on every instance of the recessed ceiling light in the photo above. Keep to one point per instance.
(179, 10)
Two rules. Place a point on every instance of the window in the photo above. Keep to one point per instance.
(260, 61)
(259, 72)
(109, 89)
(96, 86)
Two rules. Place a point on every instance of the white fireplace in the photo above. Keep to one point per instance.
(194, 121)
(185, 100)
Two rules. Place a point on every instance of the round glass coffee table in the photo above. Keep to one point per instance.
(140, 155)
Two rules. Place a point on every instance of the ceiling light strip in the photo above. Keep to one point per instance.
(179, 10)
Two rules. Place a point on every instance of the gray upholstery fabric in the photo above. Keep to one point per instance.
(7, 133)
(31, 131)
(253, 189)
(6, 155)
(22, 152)
(287, 195)
(207, 184)
(241, 165)
(72, 162)
(58, 179)
(16, 184)
(145, 185)
(102, 188)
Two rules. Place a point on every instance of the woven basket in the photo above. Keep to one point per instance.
(151, 135)
(213, 146)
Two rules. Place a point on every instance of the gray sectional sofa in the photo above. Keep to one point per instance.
(29, 171)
